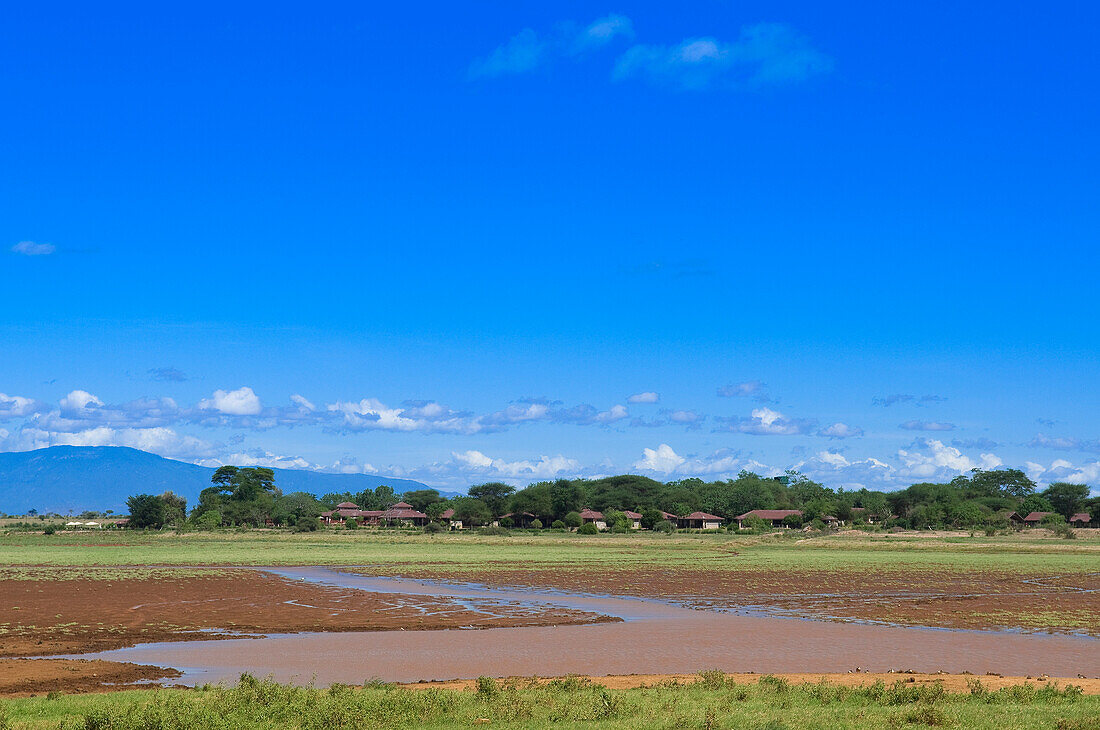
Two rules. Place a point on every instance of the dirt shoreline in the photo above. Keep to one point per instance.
(32, 677)
(951, 682)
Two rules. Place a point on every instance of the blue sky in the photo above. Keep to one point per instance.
(526, 240)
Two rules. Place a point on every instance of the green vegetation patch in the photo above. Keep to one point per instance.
(710, 702)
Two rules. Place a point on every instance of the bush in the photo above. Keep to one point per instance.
(588, 528)
(49, 529)
(573, 519)
(487, 688)
(208, 520)
(536, 524)
(757, 524)
(1064, 531)
(351, 524)
(493, 531)
(558, 525)
(433, 527)
(664, 526)
(307, 524)
(507, 522)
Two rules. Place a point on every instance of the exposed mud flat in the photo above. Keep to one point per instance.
(941, 599)
(28, 677)
(78, 615)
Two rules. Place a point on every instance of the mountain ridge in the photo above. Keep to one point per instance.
(78, 478)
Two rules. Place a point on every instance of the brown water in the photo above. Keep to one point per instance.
(654, 638)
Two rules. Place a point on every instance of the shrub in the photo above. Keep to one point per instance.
(351, 524)
(307, 524)
(588, 528)
(1064, 531)
(757, 524)
(713, 679)
(209, 520)
(49, 529)
(487, 688)
(493, 531)
(433, 527)
(536, 524)
(506, 522)
(557, 525)
(573, 519)
(664, 526)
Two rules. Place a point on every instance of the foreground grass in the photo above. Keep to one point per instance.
(711, 702)
(390, 551)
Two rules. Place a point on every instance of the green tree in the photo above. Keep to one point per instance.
(471, 511)
(146, 511)
(572, 519)
(435, 510)
(650, 518)
(1066, 498)
(1000, 483)
(493, 495)
(420, 499)
(175, 508)
(565, 497)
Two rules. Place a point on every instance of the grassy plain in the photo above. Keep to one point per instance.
(392, 551)
(712, 701)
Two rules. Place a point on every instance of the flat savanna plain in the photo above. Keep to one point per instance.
(70, 593)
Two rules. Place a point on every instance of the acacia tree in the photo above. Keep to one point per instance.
(493, 495)
(146, 511)
(240, 495)
(1066, 498)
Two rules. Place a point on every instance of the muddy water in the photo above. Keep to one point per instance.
(653, 638)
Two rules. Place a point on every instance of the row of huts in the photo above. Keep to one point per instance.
(1034, 519)
(777, 517)
(404, 513)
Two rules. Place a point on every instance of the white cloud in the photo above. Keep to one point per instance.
(767, 422)
(602, 31)
(544, 467)
(931, 459)
(661, 459)
(30, 248)
(841, 431)
(646, 397)
(14, 406)
(686, 417)
(528, 50)
(615, 413)
(78, 400)
(927, 426)
(159, 440)
(519, 413)
(765, 54)
(754, 388)
(303, 403)
(239, 402)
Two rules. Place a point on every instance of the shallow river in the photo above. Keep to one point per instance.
(654, 638)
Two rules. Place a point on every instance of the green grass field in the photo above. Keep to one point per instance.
(711, 702)
(390, 551)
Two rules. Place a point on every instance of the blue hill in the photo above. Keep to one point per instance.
(77, 478)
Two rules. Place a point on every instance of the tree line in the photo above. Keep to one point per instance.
(249, 496)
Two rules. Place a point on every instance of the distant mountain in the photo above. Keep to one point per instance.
(79, 478)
